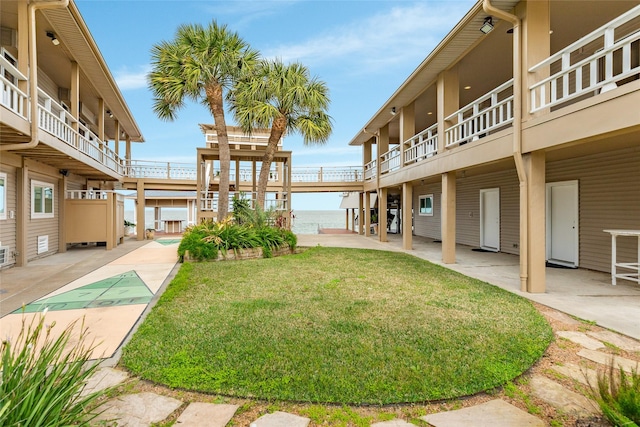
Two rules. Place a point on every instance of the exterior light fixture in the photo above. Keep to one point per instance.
(467, 87)
(393, 110)
(109, 113)
(53, 38)
(487, 27)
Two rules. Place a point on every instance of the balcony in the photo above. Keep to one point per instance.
(422, 145)
(209, 201)
(486, 114)
(612, 53)
(55, 119)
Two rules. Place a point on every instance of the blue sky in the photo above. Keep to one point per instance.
(363, 50)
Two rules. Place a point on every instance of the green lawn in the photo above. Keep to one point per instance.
(336, 325)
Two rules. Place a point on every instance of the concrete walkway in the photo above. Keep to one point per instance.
(107, 291)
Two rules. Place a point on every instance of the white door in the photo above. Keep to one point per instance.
(562, 223)
(490, 219)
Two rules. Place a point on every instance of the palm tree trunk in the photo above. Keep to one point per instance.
(277, 129)
(214, 97)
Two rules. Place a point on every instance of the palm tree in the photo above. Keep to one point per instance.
(200, 64)
(286, 99)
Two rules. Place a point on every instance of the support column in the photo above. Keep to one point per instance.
(140, 202)
(407, 127)
(346, 219)
(156, 218)
(62, 195)
(22, 216)
(116, 139)
(448, 101)
(382, 214)
(360, 216)
(536, 168)
(448, 224)
(536, 47)
(367, 213)
(100, 116)
(74, 94)
(407, 216)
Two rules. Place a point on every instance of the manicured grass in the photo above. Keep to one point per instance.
(336, 325)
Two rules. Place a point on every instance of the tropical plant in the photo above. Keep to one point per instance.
(618, 395)
(201, 64)
(242, 211)
(42, 377)
(284, 98)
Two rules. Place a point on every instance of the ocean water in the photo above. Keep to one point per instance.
(304, 222)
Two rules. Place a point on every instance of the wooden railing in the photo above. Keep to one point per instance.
(390, 160)
(370, 170)
(209, 200)
(421, 145)
(611, 60)
(489, 112)
(12, 97)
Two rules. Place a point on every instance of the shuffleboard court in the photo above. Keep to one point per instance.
(122, 289)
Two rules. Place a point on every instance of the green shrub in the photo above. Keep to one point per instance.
(42, 377)
(618, 395)
(204, 241)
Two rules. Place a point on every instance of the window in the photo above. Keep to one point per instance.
(426, 205)
(41, 200)
(3, 196)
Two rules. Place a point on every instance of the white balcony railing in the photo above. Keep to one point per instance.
(370, 170)
(161, 170)
(12, 97)
(487, 113)
(326, 174)
(610, 59)
(209, 200)
(390, 160)
(88, 194)
(421, 145)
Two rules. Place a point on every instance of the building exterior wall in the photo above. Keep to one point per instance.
(428, 226)
(42, 226)
(8, 225)
(609, 194)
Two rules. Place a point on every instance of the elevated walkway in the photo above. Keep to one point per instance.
(171, 176)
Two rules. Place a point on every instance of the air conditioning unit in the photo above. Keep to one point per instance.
(8, 37)
(64, 95)
(87, 114)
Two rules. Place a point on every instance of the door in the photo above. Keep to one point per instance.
(490, 219)
(562, 223)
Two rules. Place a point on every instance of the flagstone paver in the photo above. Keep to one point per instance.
(199, 414)
(495, 413)
(103, 378)
(620, 341)
(562, 398)
(560, 316)
(281, 419)
(582, 339)
(581, 374)
(138, 410)
(605, 359)
(393, 423)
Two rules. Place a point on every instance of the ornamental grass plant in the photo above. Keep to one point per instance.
(618, 395)
(43, 376)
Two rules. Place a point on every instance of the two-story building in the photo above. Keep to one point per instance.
(63, 124)
(519, 133)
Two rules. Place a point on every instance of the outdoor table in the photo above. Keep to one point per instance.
(633, 266)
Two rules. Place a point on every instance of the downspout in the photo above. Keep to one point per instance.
(517, 137)
(33, 74)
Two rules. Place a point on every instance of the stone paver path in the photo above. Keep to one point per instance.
(562, 398)
(200, 414)
(582, 339)
(281, 419)
(605, 359)
(138, 410)
(496, 413)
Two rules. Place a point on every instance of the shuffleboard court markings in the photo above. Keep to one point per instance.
(122, 289)
(168, 242)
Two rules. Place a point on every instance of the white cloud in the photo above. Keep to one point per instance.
(245, 12)
(380, 40)
(326, 151)
(132, 79)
